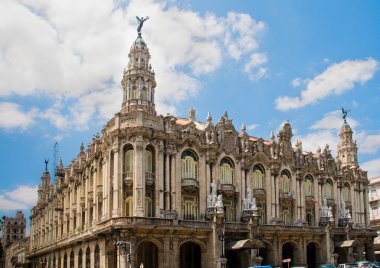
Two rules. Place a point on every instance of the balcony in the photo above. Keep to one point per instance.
(286, 196)
(257, 193)
(149, 179)
(190, 184)
(227, 189)
(128, 179)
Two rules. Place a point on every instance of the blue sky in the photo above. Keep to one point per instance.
(264, 62)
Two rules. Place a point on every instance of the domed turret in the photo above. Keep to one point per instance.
(347, 149)
(138, 80)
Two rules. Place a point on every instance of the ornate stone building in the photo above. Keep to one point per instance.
(165, 191)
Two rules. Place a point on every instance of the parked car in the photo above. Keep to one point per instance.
(374, 264)
(363, 264)
(327, 265)
(348, 265)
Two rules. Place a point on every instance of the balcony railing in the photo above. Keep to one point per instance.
(149, 178)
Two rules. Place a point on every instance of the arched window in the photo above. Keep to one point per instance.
(309, 218)
(309, 186)
(72, 259)
(328, 189)
(148, 207)
(129, 206)
(230, 210)
(262, 213)
(189, 165)
(134, 93)
(97, 257)
(227, 171)
(80, 258)
(286, 216)
(346, 193)
(144, 93)
(257, 177)
(189, 208)
(128, 162)
(88, 258)
(285, 182)
(148, 161)
(65, 260)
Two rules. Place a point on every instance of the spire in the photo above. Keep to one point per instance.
(192, 114)
(209, 118)
(243, 127)
(139, 79)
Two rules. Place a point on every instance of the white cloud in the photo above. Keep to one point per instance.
(296, 82)
(373, 168)
(370, 144)
(252, 126)
(335, 79)
(333, 120)
(252, 66)
(23, 197)
(319, 138)
(12, 117)
(79, 58)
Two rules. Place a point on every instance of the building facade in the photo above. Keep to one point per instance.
(374, 202)
(14, 228)
(165, 191)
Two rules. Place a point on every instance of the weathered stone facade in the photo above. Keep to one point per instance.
(175, 192)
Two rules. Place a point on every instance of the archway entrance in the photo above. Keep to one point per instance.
(111, 255)
(190, 255)
(288, 253)
(311, 255)
(148, 255)
(237, 258)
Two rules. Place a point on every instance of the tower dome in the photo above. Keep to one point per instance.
(139, 79)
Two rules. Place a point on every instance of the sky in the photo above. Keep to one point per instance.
(265, 62)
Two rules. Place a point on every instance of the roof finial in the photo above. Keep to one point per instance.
(46, 164)
(344, 114)
(141, 22)
(209, 118)
(243, 127)
(192, 114)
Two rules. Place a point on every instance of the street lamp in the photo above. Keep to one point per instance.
(124, 247)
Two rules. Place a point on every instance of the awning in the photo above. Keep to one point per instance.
(245, 244)
(377, 252)
(345, 244)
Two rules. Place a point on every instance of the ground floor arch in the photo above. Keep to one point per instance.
(311, 255)
(190, 255)
(288, 252)
(147, 254)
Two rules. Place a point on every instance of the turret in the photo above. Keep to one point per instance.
(138, 80)
(347, 149)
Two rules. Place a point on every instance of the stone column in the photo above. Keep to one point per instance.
(94, 197)
(116, 174)
(160, 179)
(173, 182)
(106, 183)
(166, 182)
(202, 181)
(139, 180)
(177, 175)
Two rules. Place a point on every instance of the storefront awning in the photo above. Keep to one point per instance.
(245, 244)
(345, 244)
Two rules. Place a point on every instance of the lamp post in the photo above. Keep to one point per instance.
(124, 248)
